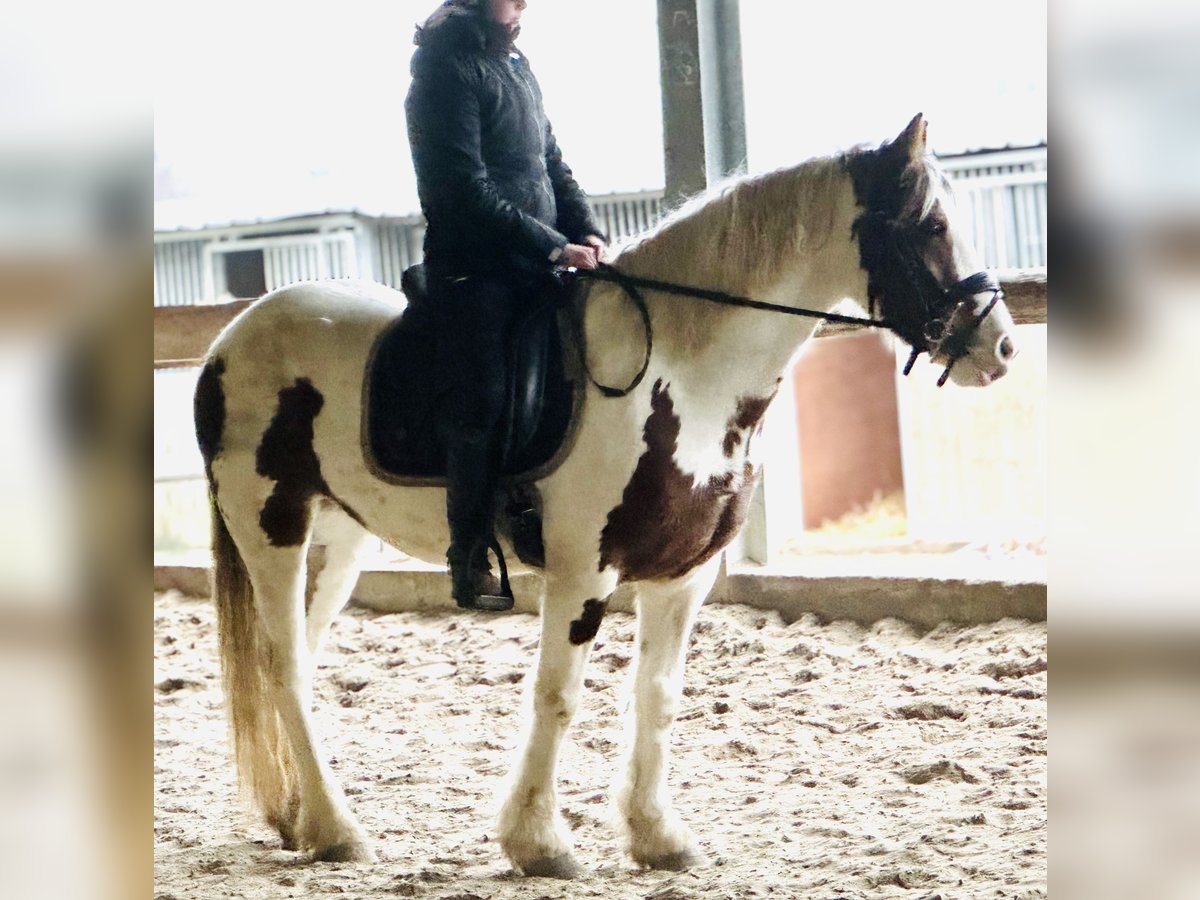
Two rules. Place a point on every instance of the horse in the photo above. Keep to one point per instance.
(657, 480)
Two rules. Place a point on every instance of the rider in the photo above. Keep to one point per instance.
(502, 210)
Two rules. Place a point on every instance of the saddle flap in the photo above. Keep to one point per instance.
(403, 394)
(535, 343)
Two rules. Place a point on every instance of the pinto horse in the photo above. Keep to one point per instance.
(655, 484)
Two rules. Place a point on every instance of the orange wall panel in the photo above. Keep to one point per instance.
(848, 425)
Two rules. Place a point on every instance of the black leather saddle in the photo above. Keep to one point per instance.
(404, 394)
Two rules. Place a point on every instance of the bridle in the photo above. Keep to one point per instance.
(889, 249)
(953, 343)
(933, 336)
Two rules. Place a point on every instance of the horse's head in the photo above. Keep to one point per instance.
(922, 276)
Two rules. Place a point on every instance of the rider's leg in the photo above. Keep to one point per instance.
(477, 316)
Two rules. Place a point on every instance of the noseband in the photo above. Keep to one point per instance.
(954, 344)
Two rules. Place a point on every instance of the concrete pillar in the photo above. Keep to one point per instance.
(704, 137)
(682, 104)
(704, 121)
(721, 88)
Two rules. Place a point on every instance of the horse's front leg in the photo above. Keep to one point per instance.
(657, 837)
(532, 832)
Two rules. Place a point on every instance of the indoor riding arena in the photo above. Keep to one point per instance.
(863, 706)
(811, 759)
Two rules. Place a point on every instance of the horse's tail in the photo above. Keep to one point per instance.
(264, 757)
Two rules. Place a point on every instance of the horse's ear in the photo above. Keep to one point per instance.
(912, 138)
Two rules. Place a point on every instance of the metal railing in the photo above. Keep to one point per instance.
(1002, 196)
(179, 272)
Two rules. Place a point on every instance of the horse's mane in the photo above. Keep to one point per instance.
(736, 235)
(929, 184)
(722, 231)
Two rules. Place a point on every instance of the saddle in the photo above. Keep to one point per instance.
(405, 393)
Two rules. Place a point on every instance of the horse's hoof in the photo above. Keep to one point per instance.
(352, 852)
(680, 861)
(562, 866)
(287, 834)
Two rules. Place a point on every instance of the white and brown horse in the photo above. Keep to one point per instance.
(656, 484)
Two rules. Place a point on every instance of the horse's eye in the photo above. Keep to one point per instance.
(935, 228)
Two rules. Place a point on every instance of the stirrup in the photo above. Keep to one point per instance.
(504, 600)
(490, 603)
(497, 602)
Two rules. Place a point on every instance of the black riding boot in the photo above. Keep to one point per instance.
(470, 489)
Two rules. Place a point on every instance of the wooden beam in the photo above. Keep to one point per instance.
(1024, 295)
(182, 334)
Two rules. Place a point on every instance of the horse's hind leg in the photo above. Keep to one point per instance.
(666, 611)
(343, 540)
(323, 823)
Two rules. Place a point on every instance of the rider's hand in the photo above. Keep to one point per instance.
(579, 256)
(596, 243)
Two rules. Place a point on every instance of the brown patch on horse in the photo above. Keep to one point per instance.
(666, 524)
(749, 413)
(208, 405)
(730, 444)
(584, 628)
(286, 455)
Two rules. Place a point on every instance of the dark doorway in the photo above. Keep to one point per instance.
(245, 277)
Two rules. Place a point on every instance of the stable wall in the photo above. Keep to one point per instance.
(847, 424)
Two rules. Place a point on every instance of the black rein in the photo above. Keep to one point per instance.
(631, 285)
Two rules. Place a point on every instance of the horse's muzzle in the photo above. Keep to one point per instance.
(955, 342)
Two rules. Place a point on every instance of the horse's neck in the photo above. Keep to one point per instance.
(809, 261)
(723, 350)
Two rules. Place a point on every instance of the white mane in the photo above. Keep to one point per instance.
(933, 186)
(721, 233)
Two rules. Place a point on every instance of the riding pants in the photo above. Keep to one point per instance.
(476, 319)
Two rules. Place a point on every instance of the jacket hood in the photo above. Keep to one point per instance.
(457, 29)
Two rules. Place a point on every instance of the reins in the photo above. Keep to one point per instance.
(632, 284)
(607, 272)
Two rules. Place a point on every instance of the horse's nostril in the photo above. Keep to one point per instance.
(1006, 349)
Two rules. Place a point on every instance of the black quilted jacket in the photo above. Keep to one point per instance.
(493, 185)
